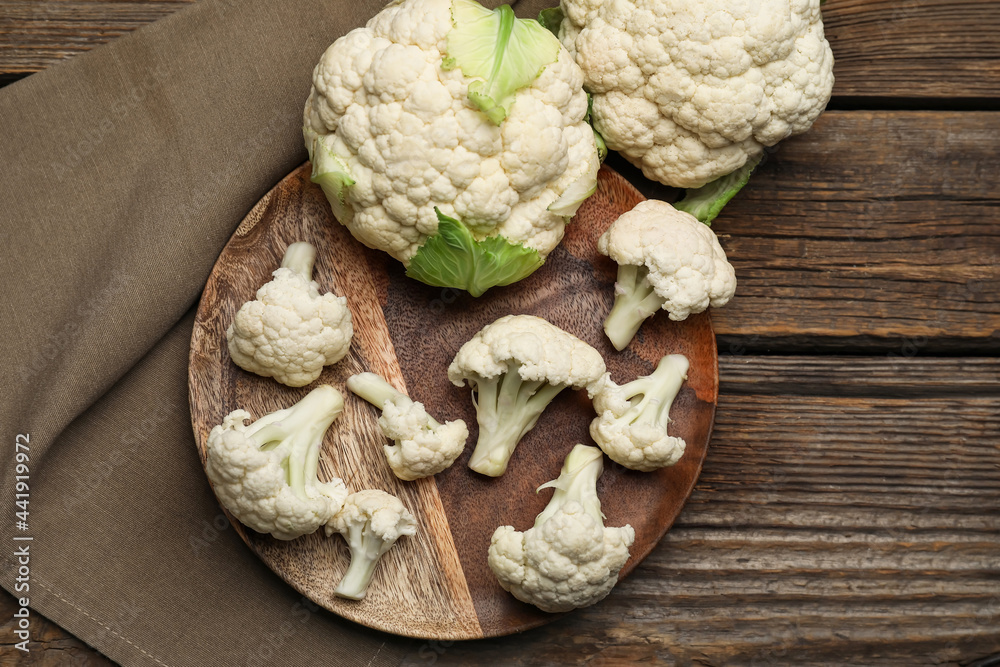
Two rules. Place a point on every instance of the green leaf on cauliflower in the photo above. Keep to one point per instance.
(332, 174)
(708, 201)
(551, 19)
(503, 53)
(454, 258)
(602, 146)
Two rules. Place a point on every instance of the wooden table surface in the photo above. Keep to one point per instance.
(849, 508)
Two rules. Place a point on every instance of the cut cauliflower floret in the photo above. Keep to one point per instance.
(371, 521)
(689, 91)
(568, 559)
(265, 473)
(517, 365)
(291, 331)
(666, 259)
(442, 117)
(422, 446)
(632, 419)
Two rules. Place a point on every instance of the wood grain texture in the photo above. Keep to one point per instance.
(850, 518)
(875, 229)
(50, 645)
(438, 584)
(884, 48)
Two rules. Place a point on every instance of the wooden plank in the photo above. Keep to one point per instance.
(884, 48)
(877, 229)
(823, 530)
(863, 529)
(36, 34)
(914, 48)
(49, 646)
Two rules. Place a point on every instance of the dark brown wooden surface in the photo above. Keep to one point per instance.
(439, 579)
(884, 48)
(849, 508)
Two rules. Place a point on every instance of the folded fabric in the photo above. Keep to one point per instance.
(125, 172)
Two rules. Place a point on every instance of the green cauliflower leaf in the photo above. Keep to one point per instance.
(454, 258)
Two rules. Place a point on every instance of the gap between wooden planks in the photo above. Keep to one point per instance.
(863, 529)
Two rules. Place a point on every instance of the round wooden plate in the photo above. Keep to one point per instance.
(437, 585)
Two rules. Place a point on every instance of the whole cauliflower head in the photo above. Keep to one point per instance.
(666, 260)
(632, 419)
(291, 331)
(394, 112)
(265, 473)
(568, 559)
(689, 91)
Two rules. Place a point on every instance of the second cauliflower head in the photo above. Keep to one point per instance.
(446, 121)
(690, 90)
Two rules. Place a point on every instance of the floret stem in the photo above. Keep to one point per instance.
(507, 407)
(577, 481)
(366, 549)
(298, 432)
(374, 389)
(300, 257)
(635, 300)
(657, 391)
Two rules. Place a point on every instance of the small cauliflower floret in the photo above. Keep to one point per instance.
(516, 366)
(666, 259)
(632, 419)
(371, 521)
(691, 91)
(568, 559)
(266, 473)
(454, 138)
(423, 446)
(291, 331)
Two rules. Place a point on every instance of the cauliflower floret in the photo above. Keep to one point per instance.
(666, 259)
(516, 366)
(401, 122)
(690, 91)
(265, 473)
(632, 419)
(423, 446)
(371, 521)
(291, 331)
(568, 559)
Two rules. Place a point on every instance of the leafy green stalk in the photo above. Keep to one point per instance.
(297, 433)
(651, 396)
(502, 52)
(332, 174)
(577, 481)
(602, 147)
(708, 201)
(454, 258)
(635, 300)
(507, 407)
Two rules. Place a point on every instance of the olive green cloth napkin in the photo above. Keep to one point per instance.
(124, 172)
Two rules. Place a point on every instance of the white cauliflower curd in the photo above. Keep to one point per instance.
(454, 138)
(666, 260)
(291, 331)
(690, 90)
(569, 558)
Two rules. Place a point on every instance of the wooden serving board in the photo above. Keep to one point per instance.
(437, 585)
